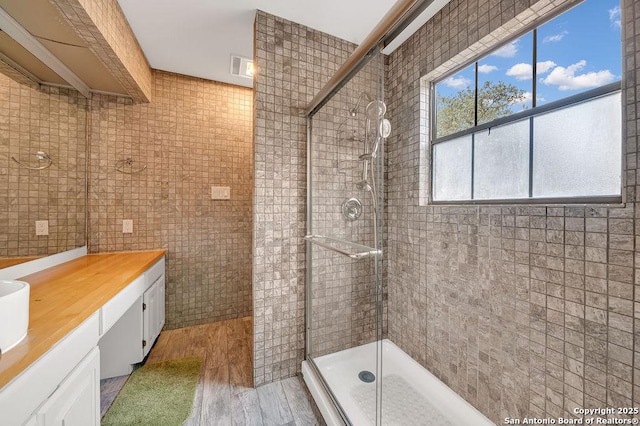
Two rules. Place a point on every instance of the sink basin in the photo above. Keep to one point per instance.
(14, 313)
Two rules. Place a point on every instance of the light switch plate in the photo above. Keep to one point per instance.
(127, 226)
(220, 193)
(42, 227)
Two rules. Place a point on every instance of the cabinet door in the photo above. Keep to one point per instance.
(77, 400)
(153, 312)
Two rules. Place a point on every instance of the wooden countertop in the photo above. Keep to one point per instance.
(63, 296)
(12, 261)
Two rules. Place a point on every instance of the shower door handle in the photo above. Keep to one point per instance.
(346, 248)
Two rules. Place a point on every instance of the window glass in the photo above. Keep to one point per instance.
(452, 183)
(569, 149)
(579, 50)
(455, 102)
(576, 151)
(502, 162)
(505, 80)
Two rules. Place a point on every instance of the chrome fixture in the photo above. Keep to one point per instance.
(376, 127)
(351, 208)
(42, 157)
(354, 111)
(126, 167)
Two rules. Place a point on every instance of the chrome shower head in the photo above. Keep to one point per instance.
(376, 109)
(363, 185)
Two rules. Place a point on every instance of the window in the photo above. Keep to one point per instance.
(538, 119)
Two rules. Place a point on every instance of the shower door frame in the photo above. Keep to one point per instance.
(309, 275)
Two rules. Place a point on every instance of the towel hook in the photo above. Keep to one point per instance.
(121, 164)
(41, 156)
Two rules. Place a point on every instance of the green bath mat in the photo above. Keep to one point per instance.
(158, 394)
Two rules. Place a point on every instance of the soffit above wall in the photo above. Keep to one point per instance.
(42, 20)
(86, 66)
(25, 59)
(91, 39)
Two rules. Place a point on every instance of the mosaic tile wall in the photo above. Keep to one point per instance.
(41, 119)
(194, 135)
(524, 311)
(105, 29)
(293, 63)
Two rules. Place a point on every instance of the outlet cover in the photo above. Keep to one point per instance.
(127, 226)
(220, 193)
(42, 227)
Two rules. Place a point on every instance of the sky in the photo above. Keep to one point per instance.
(577, 51)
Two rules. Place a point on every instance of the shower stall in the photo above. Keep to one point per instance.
(355, 373)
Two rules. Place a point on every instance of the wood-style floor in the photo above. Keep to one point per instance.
(225, 395)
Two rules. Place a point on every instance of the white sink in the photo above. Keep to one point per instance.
(14, 313)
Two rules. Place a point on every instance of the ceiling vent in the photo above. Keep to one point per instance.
(242, 67)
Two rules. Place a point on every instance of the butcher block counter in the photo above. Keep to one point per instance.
(64, 296)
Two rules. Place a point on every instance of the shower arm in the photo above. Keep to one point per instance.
(354, 111)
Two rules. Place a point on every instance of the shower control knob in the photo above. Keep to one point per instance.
(351, 209)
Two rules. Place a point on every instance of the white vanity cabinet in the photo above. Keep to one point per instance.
(62, 386)
(29, 393)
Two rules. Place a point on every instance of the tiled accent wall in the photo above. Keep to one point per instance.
(522, 310)
(105, 29)
(195, 134)
(293, 63)
(41, 119)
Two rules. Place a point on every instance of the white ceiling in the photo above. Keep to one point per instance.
(198, 37)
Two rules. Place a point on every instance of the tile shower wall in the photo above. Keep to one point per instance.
(524, 311)
(293, 63)
(41, 119)
(195, 134)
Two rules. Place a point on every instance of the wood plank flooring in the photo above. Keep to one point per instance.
(225, 393)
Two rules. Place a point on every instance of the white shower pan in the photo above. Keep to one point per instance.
(411, 395)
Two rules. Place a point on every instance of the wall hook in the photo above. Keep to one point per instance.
(42, 157)
(126, 166)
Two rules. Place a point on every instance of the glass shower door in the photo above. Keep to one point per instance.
(344, 264)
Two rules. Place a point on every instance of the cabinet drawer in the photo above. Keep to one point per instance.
(153, 273)
(115, 308)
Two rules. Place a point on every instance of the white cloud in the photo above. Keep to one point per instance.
(508, 50)
(555, 38)
(457, 82)
(521, 71)
(486, 69)
(524, 71)
(543, 67)
(614, 17)
(566, 78)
